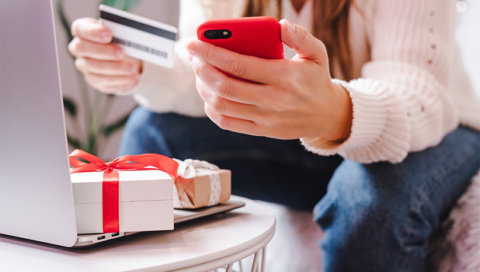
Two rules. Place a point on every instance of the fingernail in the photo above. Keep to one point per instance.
(118, 54)
(105, 35)
(291, 27)
(190, 57)
(133, 69)
(191, 47)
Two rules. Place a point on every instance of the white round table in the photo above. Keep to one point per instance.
(199, 245)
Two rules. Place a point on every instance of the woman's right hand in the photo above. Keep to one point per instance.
(103, 64)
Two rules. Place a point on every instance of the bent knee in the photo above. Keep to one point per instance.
(376, 194)
(145, 132)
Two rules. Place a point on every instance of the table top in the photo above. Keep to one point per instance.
(190, 244)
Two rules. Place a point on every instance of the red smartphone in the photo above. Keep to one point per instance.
(253, 36)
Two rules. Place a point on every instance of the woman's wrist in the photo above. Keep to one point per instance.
(333, 116)
(343, 117)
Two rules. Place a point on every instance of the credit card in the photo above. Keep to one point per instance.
(140, 37)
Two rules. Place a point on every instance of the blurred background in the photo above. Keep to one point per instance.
(94, 120)
(468, 37)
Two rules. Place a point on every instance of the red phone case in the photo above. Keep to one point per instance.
(254, 36)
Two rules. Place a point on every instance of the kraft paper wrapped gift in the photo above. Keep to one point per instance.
(145, 201)
(200, 184)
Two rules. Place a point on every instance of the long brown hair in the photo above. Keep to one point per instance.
(330, 25)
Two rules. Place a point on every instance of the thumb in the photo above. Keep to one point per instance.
(303, 43)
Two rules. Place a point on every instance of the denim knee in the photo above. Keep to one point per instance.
(362, 214)
(145, 133)
(379, 216)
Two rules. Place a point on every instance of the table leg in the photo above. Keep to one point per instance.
(255, 262)
(259, 262)
(264, 258)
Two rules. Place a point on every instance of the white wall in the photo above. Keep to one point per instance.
(165, 11)
(468, 37)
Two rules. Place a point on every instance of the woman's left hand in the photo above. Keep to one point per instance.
(291, 99)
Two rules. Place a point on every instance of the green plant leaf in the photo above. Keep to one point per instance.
(121, 4)
(63, 19)
(108, 130)
(70, 106)
(92, 143)
(75, 143)
(130, 4)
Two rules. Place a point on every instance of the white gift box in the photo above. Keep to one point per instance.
(145, 201)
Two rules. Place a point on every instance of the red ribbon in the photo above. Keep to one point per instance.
(111, 178)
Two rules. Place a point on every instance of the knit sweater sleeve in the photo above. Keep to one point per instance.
(400, 103)
(174, 90)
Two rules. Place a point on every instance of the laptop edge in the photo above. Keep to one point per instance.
(36, 200)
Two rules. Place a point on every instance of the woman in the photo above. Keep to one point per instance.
(378, 82)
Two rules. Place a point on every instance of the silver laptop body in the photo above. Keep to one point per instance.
(36, 200)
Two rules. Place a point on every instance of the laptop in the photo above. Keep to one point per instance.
(36, 200)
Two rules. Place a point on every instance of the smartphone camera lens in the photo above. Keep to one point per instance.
(217, 34)
(210, 34)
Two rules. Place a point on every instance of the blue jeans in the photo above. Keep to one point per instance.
(376, 217)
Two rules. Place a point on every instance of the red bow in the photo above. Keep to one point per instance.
(111, 178)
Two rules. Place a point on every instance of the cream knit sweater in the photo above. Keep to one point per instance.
(411, 87)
